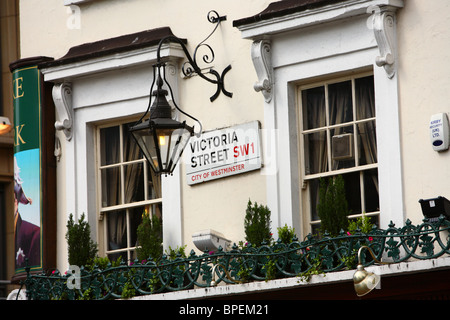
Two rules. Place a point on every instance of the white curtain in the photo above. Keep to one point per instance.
(111, 195)
(314, 114)
(365, 100)
(341, 111)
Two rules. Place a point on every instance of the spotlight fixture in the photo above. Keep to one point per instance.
(365, 281)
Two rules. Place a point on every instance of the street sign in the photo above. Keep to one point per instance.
(223, 152)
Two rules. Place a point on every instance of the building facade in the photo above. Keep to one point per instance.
(332, 88)
(9, 48)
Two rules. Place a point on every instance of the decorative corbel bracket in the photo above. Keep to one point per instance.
(383, 23)
(262, 61)
(62, 97)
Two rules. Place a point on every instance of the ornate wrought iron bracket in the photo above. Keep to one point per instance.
(191, 67)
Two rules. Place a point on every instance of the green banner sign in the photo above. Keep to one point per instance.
(26, 97)
(27, 168)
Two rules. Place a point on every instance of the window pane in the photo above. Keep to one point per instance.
(365, 98)
(313, 101)
(131, 151)
(315, 230)
(114, 256)
(313, 186)
(373, 220)
(154, 184)
(371, 190)
(117, 230)
(135, 220)
(342, 147)
(353, 192)
(367, 143)
(340, 102)
(110, 145)
(316, 154)
(111, 191)
(156, 209)
(134, 182)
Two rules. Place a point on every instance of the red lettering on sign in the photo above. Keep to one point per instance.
(243, 150)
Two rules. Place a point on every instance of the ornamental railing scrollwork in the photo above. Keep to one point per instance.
(245, 263)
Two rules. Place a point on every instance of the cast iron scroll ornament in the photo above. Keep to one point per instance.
(191, 67)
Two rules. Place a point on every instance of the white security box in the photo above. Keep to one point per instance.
(439, 131)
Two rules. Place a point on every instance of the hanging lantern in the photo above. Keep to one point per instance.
(161, 138)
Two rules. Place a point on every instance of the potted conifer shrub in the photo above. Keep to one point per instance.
(332, 206)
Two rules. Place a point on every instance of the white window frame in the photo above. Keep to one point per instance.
(304, 176)
(95, 91)
(311, 44)
(103, 211)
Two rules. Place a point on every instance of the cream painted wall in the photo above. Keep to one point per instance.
(423, 49)
(424, 82)
(45, 22)
(220, 205)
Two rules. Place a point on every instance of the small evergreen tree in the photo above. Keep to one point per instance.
(257, 224)
(286, 234)
(363, 224)
(149, 236)
(82, 249)
(332, 207)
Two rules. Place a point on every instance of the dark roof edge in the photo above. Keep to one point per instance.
(114, 45)
(283, 8)
(27, 62)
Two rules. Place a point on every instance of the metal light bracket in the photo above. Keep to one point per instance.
(161, 138)
(191, 67)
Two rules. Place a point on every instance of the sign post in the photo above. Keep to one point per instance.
(224, 152)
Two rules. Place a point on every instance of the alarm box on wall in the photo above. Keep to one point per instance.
(439, 132)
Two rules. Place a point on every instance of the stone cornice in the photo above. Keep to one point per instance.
(104, 55)
(290, 17)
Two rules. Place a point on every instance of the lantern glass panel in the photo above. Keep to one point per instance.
(146, 140)
(171, 146)
(162, 145)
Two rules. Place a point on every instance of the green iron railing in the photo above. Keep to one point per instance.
(246, 263)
